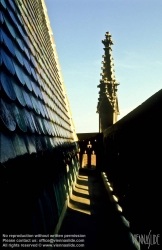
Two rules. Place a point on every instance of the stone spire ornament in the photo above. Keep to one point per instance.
(107, 107)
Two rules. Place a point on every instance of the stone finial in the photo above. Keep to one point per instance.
(108, 84)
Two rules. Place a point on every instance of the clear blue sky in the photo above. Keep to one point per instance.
(136, 28)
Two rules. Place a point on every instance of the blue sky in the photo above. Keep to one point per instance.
(80, 25)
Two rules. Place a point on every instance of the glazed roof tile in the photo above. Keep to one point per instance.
(31, 115)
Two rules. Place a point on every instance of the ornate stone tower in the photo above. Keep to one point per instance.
(107, 107)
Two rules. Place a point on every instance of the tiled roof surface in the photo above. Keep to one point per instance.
(33, 111)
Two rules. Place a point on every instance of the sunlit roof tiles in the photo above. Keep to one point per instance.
(33, 107)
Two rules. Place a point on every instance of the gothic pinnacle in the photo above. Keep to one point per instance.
(108, 84)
